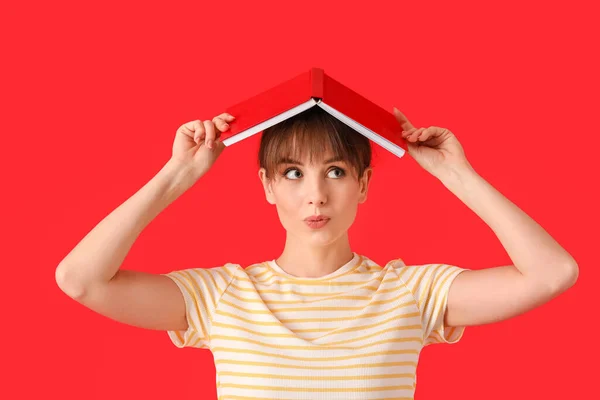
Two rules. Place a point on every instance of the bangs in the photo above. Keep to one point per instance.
(312, 135)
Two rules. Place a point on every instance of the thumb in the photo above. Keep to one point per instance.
(219, 145)
(217, 149)
(402, 120)
(413, 149)
(203, 150)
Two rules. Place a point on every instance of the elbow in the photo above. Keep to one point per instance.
(67, 282)
(567, 278)
(573, 274)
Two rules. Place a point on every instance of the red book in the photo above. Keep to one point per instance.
(309, 89)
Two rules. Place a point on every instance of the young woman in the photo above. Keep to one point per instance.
(320, 321)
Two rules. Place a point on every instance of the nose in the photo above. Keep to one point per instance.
(317, 192)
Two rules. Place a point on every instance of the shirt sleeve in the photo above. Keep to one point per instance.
(202, 289)
(430, 285)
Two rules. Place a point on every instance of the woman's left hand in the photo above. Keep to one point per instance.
(435, 149)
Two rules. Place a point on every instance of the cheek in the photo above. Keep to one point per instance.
(348, 200)
(350, 204)
(289, 208)
(288, 200)
(347, 193)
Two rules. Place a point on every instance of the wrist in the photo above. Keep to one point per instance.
(457, 175)
(177, 176)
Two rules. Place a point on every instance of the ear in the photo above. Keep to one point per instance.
(364, 185)
(262, 174)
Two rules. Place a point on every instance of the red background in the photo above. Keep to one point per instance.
(93, 95)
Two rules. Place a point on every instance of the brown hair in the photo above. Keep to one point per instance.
(315, 131)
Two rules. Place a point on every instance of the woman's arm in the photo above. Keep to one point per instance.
(90, 272)
(98, 256)
(542, 268)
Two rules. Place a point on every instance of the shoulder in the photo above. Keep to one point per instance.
(422, 276)
(395, 263)
(224, 273)
(230, 271)
(402, 268)
(231, 268)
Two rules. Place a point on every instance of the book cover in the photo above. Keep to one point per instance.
(310, 89)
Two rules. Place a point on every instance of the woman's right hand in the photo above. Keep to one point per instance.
(197, 145)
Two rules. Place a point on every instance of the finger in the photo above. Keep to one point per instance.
(221, 124)
(414, 137)
(226, 117)
(413, 134)
(193, 129)
(209, 127)
(187, 131)
(401, 118)
(407, 133)
(432, 132)
(426, 134)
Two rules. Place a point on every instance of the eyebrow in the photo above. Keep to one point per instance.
(286, 160)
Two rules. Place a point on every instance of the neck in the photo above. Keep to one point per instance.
(308, 261)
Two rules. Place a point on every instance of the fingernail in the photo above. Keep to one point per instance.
(225, 126)
(209, 143)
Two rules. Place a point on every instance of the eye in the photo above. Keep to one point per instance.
(292, 173)
(340, 173)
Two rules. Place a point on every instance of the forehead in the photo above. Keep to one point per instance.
(323, 158)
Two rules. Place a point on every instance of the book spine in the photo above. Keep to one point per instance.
(317, 80)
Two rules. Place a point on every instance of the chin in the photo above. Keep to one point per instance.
(323, 237)
(321, 240)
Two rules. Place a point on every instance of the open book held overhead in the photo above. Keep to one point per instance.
(309, 89)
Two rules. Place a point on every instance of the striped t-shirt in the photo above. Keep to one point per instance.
(355, 333)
